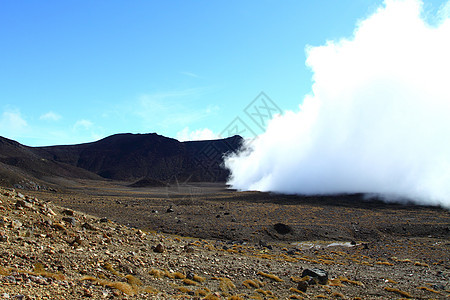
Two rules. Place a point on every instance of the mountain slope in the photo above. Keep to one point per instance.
(21, 165)
(136, 156)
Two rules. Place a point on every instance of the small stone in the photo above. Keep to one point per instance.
(70, 220)
(68, 212)
(188, 249)
(23, 203)
(159, 248)
(50, 212)
(16, 224)
(87, 293)
(104, 220)
(88, 226)
(302, 286)
(3, 237)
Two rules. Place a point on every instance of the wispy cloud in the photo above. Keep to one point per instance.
(190, 74)
(12, 124)
(196, 135)
(50, 116)
(171, 108)
(82, 124)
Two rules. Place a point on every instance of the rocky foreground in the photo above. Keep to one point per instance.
(51, 252)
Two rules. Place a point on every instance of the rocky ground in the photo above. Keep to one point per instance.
(240, 246)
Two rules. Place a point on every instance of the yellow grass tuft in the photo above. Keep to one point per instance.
(178, 275)
(420, 264)
(335, 282)
(401, 260)
(294, 290)
(5, 271)
(133, 281)
(251, 283)
(189, 282)
(390, 280)
(156, 273)
(39, 270)
(184, 289)
(202, 292)
(296, 297)
(211, 297)
(384, 263)
(127, 288)
(168, 274)
(149, 289)
(424, 288)
(354, 282)
(109, 267)
(270, 276)
(198, 278)
(399, 292)
(265, 293)
(337, 295)
(121, 286)
(225, 284)
(235, 298)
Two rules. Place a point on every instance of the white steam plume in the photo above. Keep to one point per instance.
(377, 120)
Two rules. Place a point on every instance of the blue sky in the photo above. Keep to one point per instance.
(78, 71)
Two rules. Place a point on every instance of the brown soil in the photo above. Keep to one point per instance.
(248, 245)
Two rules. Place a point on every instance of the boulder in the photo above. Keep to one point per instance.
(321, 275)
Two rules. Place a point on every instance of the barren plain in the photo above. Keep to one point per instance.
(105, 239)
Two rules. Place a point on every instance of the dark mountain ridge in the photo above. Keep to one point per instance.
(127, 157)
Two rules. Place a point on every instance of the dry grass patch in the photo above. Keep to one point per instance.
(424, 288)
(252, 283)
(354, 282)
(225, 284)
(398, 292)
(384, 263)
(270, 276)
(189, 282)
(294, 290)
(420, 264)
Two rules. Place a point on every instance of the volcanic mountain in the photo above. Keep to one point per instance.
(128, 157)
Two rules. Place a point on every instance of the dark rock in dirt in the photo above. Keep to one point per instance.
(282, 228)
(70, 220)
(23, 203)
(68, 212)
(320, 274)
(159, 248)
(88, 226)
(302, 286)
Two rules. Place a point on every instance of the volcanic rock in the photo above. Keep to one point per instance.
(321, 275)
(282, 228)
(302, 286)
